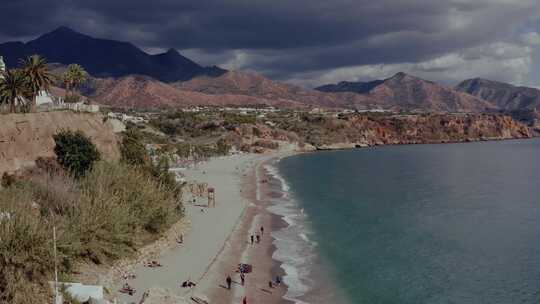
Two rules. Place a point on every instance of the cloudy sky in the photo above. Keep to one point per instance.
(310, 42)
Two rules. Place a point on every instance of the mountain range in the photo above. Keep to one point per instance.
(503, 95)
(124, 75)
(105, 58)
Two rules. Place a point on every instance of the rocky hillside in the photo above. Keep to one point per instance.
(406, 92)
(146, 92)
(360, 130)
(503, 95)
(313, 131)
(400, 92)
(257, 86)
(25, 137)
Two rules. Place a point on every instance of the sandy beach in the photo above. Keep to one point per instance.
(239, 249)
(218, 240)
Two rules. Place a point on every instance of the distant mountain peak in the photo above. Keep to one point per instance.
(402, 76)
(62, 33)
(172, 51)
(64, 29)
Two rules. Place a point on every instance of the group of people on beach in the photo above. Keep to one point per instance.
(245, 268)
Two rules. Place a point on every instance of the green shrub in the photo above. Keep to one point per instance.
(8, 180)
(132, 149)
(223, 147)
(72, 98)
(75, 152)
(238, 119)
(257, 132)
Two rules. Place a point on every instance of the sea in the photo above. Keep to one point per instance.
(448, 223)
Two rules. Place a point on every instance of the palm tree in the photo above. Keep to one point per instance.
(38, 76)
(13, 88)
(74, 77)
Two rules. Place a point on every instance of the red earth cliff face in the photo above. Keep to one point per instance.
(365, 130)
(25, 137)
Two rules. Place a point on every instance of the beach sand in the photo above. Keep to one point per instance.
(240, 250)
(217, 240)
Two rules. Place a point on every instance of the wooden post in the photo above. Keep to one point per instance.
(211, 197)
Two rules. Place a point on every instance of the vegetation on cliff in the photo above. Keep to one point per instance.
(203, 131)
(104, 215)
(369, 129)
(75, 152)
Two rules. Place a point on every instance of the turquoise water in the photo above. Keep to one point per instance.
(454, 223)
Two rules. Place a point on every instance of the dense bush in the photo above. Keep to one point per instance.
(72, 98)
(75, 152)
(180, 123)
(203, 151)
(132, 149)
(238, 119)
(223, 147)
(134, 153)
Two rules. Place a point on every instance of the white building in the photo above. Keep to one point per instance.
(83, 293)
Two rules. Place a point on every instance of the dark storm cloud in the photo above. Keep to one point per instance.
(284, 37)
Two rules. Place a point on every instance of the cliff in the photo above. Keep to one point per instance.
(360, 130)
(25, 137)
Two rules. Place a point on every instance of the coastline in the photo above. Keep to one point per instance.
(217, 240)
(211, 231)
(262, 256)
(354, 146)
(238, 248)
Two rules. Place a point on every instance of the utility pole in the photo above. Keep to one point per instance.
(56, 299)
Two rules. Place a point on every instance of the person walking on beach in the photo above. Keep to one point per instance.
(229, 282)
(258, 238)
(252, 239)
(270, 284)
(244, 300)
(278, 280)
(262, 230)
(242, 278)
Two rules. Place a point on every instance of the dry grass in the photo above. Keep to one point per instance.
(104, 216)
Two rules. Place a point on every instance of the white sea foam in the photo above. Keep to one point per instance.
(275, 174)
(294, 250)
(258, 188)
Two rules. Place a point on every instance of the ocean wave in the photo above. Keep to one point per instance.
(294, 248)
(272, 171)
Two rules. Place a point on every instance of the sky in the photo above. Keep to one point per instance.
(311, 42)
